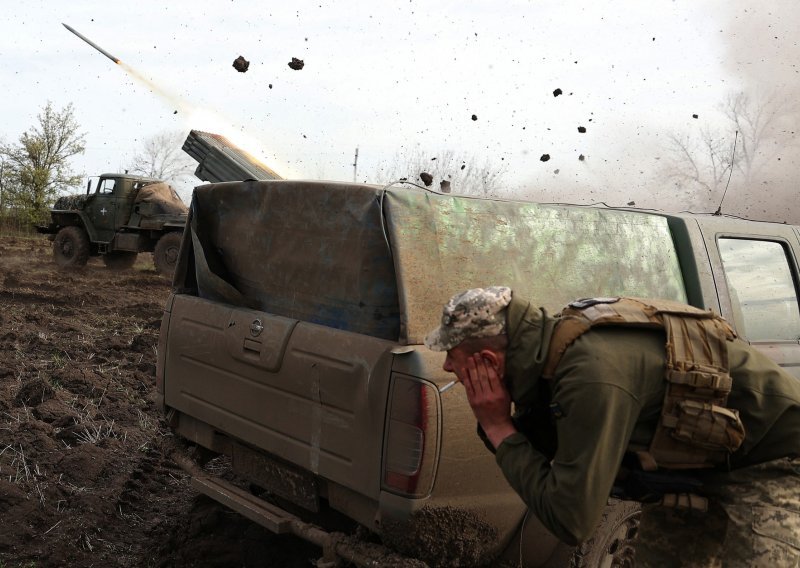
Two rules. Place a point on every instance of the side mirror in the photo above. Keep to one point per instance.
(89, 187)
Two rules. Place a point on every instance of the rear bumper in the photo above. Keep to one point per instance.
(334, 545)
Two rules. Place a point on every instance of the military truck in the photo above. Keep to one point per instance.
(123, 216)
(127, 214)
(292, 347)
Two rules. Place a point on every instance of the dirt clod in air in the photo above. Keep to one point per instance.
(444, 186)
(557, 92)
(631, 203)
(241, 64)
(270, 85)
(582, 129)
(474, 117)
(296, 64)
(694, 116)
(426, 178)
(545, 157)
(581, 157)
(443, 537)
(463, 166)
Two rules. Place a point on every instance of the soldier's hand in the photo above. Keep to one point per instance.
(489, 398)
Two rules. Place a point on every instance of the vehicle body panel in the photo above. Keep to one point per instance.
(342, 281)
(302, 390)
(785, 351)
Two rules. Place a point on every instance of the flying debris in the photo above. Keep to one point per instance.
(296, 64)
(241, 64)
(426, 178)
(93, 44)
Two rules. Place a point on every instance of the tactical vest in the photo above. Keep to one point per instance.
(695, 430)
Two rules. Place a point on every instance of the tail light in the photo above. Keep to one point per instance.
(411, 447)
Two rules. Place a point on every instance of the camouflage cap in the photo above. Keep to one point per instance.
(475, 313)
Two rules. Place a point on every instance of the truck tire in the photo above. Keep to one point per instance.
(165, 255)
(613, 542)
(120, 260)
(71, 247)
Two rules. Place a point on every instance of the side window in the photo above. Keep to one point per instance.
(762, 288)
(106, 186)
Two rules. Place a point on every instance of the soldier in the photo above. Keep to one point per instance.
(642, 399)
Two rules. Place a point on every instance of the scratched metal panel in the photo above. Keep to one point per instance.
(307, 394)
(549, 254)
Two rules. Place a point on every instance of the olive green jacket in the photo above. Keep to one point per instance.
(606, 394)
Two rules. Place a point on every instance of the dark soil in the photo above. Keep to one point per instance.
(85, 473)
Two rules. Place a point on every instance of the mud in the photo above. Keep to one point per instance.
(443, 537)
(85, 473)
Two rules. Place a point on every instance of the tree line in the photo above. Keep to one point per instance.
(37, 168)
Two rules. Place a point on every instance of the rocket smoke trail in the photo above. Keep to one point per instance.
(176, 103)
(93, 44)
(174, 100)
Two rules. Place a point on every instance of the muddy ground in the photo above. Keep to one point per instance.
(85, 473)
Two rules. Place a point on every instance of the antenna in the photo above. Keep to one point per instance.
(733, 156)
(355, 166)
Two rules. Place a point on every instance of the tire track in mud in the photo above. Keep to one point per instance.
(85, 473)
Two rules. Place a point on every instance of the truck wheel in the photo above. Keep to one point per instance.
(612, 544)
(120, 260)
(71, 247)
(165, 255)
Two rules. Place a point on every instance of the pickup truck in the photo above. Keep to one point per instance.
(292, 345)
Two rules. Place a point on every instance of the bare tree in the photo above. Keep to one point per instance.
(701, 163)
(161, 157)
(3, 181)
(37, 168)
(466, 175)
(703, 160)
(760, 123)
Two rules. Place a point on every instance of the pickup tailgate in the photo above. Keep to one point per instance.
(310, 394)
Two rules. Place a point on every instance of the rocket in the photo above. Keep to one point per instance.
(93, 44)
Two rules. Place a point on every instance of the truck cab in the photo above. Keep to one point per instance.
(119, 216)
(110, 202)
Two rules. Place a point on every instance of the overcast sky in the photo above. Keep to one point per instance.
(386, 75)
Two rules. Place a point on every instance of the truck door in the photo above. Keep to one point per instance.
(756, 273)
(102, 210)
